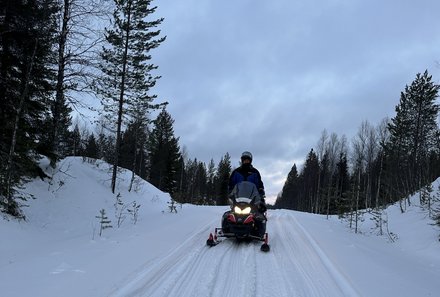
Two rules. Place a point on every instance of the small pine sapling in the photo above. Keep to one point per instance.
(120, 208)
(134, 211)
(103, 221)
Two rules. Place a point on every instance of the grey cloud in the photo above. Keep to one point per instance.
(270, 76)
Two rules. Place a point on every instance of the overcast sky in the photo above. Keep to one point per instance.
(269, 76)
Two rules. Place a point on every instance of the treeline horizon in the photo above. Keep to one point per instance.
(380, 165)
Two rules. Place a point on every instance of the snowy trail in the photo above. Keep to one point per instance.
(295, 266)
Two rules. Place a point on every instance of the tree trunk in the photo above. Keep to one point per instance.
(133, 170)
(121, 100)
(317, 192)
(59, 96)
(379, 181)
(328, 197)
(8, 168)
(358, 189)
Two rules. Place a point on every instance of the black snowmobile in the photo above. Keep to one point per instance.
(244, 221)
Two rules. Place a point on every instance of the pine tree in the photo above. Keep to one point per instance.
(196, 182)
(134, 212)
(27, 30)
(120, 209)
(289, 194)
(310, 175)
(413, 135)
(164, 154)
(182, 184)
(342, 178)
(133, 148)
(191, 168)
(106, 147)
(104, 222)
(201, 184)
(222, 179)
(75, 142)
(211, 172)
(126, 64)
(91, 149)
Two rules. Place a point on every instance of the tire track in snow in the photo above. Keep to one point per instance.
(343, 283)
(297, 281)
(194, 269)
(150, 277)
(272, 279)
(312, 255)
(295, 266)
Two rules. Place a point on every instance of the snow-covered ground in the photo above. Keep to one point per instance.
(58, 250)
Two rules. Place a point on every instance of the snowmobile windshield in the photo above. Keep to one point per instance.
(245, 192)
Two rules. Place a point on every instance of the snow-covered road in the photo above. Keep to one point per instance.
(295, 266)
(57, 251)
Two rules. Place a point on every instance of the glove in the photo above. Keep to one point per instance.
(262, 208)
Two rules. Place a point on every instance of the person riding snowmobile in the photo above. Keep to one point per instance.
(246, 172)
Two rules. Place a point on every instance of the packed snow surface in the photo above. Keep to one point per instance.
(57, 251)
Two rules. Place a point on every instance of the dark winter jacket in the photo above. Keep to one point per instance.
(246, 172)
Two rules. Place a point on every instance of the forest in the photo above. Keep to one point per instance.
(381, 165)
(50, 59)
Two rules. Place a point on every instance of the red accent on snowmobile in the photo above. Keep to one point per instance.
(211, 241)
(249, 219)
(231, 218)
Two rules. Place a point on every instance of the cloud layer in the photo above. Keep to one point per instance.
(270, 76)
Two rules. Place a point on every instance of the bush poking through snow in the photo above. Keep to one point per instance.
(435, 214)
(172, 206)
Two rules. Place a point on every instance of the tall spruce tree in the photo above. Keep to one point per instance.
(126, 64)
(27, 30)
(133, 151)
(310, 176)
(289, 194)
(200, 183)
(182, 184)
(211, 171)
(75, 142)
(91, 148)
(342, 178)
(222, 179)
(413, 133)
(164, 154)
(191, 168)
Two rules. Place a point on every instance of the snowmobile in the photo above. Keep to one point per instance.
(244, 221)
